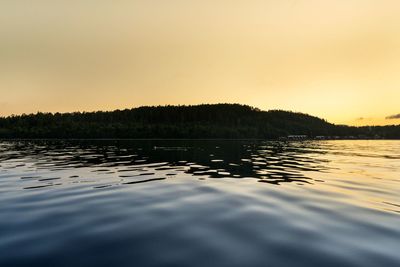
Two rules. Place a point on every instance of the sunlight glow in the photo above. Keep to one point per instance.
(334, 59)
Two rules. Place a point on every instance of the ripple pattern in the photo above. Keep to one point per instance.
(199, 203)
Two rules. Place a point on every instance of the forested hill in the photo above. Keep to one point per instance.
(200, 121)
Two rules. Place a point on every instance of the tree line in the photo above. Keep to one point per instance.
(230, 121)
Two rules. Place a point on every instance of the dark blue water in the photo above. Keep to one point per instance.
(199, 203)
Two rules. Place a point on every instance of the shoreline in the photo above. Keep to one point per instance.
(196, 139)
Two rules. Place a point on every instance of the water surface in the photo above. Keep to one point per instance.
(199, 203)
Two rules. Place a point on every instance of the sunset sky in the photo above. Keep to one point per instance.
(336, 59)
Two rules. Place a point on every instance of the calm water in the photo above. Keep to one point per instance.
(199, 203)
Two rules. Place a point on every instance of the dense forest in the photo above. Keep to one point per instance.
(201, 121)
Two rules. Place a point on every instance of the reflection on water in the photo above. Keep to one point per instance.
(271, 162)
(197, 203)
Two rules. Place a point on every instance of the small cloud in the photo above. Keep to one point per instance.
(360, 119)
(393, 117)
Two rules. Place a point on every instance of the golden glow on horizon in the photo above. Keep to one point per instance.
(338, 59)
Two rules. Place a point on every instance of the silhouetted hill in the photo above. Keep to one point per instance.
(200, 121)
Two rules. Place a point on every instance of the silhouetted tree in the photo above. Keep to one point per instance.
(200, 121)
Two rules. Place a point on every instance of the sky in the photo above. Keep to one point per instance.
(335, 59)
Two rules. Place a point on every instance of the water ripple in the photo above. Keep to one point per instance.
(199, 203)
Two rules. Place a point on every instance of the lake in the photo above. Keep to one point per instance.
(199, 203)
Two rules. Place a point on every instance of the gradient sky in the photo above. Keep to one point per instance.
(339, 60)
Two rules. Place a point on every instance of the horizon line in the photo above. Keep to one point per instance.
(187, 105)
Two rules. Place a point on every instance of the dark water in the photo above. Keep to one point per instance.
(199, 203)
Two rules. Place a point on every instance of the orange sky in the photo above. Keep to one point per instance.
(339, 59)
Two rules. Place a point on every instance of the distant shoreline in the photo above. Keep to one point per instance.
(185, 139)
(199, 122)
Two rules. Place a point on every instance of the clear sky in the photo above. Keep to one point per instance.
(336, 59)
